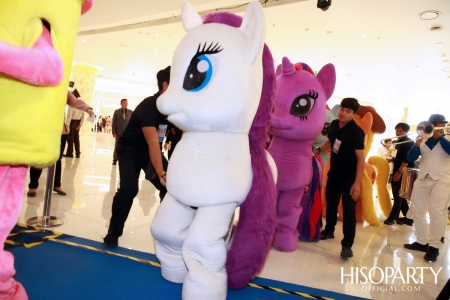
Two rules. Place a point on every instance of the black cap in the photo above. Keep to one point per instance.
(437, 118)
(351, 103)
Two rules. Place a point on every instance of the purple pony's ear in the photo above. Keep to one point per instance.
(327, 77)
(278, 71)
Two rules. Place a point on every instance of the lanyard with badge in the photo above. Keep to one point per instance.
(162, 132)
(336, 146)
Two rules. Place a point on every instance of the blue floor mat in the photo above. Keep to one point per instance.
(65, 267)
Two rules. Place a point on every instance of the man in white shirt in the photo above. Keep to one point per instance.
(385, 152)
(431, 189)
(75, 119)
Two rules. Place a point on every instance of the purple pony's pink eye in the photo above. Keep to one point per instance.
(302, 105)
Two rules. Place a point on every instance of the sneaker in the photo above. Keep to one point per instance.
(432, 254)
(389, 221)
(326, 235)
(77, 156)
(111, 241)
(442, 240)
(114, 162)
(68, 155)
(416, 246)
(346, 252)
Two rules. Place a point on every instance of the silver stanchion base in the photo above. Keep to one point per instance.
(45, 222)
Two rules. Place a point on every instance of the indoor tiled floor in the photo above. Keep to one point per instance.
(91, 182)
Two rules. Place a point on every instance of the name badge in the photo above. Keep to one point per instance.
(336, 146)
(162, 132)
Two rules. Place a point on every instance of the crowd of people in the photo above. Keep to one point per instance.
(431, 190)
(142, 134)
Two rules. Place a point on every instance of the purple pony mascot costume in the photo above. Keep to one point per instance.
(221, 94)
(297, 120)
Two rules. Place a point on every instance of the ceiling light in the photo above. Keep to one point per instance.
(446, 69)
(363, 36)
(157, 34)
(429, 15)
(90, 52)
(84, 41)
(154, 50)
(439, 45)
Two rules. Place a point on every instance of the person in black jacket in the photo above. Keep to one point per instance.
(400, 162)
(120, 120)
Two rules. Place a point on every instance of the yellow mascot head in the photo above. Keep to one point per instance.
(37, 40)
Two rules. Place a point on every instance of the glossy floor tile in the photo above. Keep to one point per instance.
(91, 182)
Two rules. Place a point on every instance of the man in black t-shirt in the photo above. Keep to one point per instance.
(400, 162)
(346, 139)
(139, 148)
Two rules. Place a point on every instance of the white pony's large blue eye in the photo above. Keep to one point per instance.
(198, 74)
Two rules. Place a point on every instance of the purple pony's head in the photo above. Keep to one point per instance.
(300, 110)
(261, 122)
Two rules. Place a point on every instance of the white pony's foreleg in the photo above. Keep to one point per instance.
(205, 253)
(169, 229)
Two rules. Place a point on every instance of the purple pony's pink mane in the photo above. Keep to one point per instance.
(254, 232)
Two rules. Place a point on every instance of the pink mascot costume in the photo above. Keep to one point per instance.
(221, 92)
(297, 120)
(37, 39)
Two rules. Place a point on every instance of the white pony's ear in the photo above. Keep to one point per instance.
(189, 16)
(254, 29)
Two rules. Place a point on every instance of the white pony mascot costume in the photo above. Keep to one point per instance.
(221, 94)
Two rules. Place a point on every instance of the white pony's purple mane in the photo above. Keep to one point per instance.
(254, 232)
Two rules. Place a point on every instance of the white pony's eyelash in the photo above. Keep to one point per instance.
(210, 50)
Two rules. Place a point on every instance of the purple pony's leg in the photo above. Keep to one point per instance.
(288, 213)
(12, 181)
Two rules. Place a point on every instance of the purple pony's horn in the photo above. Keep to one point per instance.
(287, 67)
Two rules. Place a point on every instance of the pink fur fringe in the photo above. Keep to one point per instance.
(12, 181)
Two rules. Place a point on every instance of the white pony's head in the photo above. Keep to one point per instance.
(216, 74)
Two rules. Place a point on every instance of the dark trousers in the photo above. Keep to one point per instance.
(74, 138)
(337, 187)
(35, 174)
(131, 162)
(400, 204)
(115, 148)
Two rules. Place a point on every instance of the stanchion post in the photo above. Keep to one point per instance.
(46, 220)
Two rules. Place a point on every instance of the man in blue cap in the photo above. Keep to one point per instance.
(431, 189)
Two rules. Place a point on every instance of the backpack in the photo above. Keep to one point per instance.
(103, 122)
